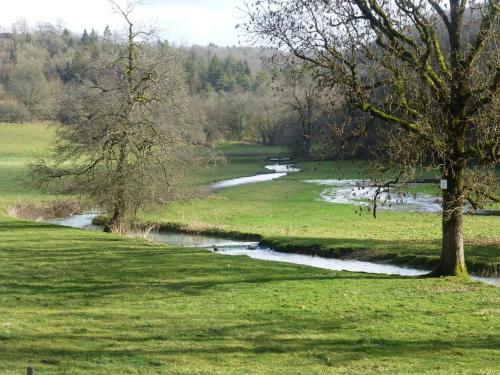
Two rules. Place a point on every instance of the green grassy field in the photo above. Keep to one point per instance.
(239, 160)
(19, 144)
(289, 217)
(286, 213)
(89, 303)
(79, 302)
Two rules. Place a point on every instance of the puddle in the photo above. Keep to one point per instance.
(359, 192)
(254, 250)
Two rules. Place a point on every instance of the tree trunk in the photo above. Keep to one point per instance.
(117, 220)
(119, 204)
(452, 261)
(306, 140)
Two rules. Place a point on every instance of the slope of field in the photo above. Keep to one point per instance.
(80, 302)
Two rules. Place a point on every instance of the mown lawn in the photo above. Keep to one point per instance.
(79, 302)
(76, 302)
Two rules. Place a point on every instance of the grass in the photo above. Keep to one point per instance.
(77, 302)
(286, 212)
(239, 160)
(82, 302)
(22, 141)
(19, 144)
(289, 216)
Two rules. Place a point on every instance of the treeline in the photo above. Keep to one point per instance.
(234, 93)
(36, 63)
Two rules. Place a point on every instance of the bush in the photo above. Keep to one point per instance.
(44, 210)
(13, 111)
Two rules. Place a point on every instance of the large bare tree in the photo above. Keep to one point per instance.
(429, 69)
(125, 137)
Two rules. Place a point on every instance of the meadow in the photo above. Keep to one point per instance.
(288, 215)
(80, 302)
(20, 144)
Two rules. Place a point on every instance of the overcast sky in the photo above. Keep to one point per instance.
(181, 21)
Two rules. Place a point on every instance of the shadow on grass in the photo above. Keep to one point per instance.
(79, 298)
(82, 266)
(341, 351)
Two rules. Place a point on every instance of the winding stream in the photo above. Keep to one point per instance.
(338, 191)
(254, 250)
(280, 170)
(356, 192)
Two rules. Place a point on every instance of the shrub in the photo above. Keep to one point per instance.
(44, 210)
(13, 111)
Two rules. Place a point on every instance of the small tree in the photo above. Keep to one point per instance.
(269, 119)
(124, 141)
(303, 97)
(428, 69)
(29, 85)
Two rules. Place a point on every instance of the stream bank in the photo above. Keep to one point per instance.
(288, 249)
(253, 246)
(365, 254)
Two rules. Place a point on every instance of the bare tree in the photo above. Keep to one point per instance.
(303, 97)
(429, 69)
(268, 116)
(125, 140)
(29, 86)
(235, 115)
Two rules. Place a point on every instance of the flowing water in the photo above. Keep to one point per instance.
(83, 221)
(247, 180)
(280, 170)
(338, 191)
(357, 192)
(254, 250)
(360, 192)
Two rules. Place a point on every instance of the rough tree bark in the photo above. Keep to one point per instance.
(120, 200)
(452, 260)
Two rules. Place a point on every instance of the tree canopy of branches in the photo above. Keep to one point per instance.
(427, 69)
(307, 103)
(125, 138)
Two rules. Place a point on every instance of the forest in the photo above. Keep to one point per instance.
(40, 66)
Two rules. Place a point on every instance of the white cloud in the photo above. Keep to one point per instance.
(187, 21)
